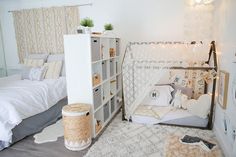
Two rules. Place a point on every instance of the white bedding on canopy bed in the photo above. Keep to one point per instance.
(173, 114)
(20, 99)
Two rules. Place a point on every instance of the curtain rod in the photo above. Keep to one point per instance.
(80, 5)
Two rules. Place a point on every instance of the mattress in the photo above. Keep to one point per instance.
(177, 117)
(36, 123)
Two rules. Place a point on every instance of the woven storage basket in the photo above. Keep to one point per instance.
(77, 126)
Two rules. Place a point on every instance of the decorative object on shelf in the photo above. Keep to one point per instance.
(77, 126)
(96, 79)
(87, 24)
(223, 88)
(112, 52)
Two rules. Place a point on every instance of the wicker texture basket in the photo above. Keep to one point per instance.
(77, 126)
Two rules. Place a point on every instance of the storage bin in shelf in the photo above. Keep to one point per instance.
(98, 120)
(105, 70)
(117, 47)
(106, 111)
(112, 67)
(113, 87)
(112, 49)
(118, 82)
(95, 47)
(97, 73)
(113, 104)
(105, 46)
(97, 97)
(106, 92)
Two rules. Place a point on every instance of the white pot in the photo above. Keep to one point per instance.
(109, 33)
(87, 30)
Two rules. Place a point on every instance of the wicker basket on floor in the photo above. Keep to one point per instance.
(77, 126)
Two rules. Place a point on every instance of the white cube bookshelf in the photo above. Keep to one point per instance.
(89, 59)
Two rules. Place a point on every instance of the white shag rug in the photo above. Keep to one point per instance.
(125, 139)
(50, 133)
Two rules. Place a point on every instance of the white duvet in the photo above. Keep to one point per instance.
(21, 99)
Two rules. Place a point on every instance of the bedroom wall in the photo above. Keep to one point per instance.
(133, 21)
(225, 34)
(2, 58)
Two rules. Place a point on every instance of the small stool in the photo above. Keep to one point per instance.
(77, 126)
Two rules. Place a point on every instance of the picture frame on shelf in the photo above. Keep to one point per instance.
(223, 88)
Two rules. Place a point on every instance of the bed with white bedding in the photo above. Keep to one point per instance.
(21, 99)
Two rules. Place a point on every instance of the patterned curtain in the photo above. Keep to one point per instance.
(41, 30)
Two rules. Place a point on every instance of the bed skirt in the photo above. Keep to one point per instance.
(35, 123)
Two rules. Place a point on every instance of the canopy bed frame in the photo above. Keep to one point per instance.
(212, 59)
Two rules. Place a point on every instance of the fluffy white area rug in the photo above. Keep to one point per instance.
(125, 139)
(50, 133)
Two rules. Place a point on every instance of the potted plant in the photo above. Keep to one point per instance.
(87, 24)
(108, 29)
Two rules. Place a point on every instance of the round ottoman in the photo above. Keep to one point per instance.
(77, 126)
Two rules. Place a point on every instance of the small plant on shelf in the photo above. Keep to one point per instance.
(87, 22)
(108, 27)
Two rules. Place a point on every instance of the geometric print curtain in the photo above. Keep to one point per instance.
(41, 30)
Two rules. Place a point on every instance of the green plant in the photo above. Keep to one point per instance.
(87, 22)
(108, 27)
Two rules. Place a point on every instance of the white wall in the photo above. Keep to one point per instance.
(143, 20)
(225, 33)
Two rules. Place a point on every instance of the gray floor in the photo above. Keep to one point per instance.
(27, 148)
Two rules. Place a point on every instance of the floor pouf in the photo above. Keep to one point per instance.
(77, 126)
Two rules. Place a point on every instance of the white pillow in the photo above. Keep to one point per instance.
(179, 99)
(37, 74)
(200, 107)
(159, 96)
(33, 62)
(25, 70)
(9, 79)
(58, 57)
(53, 69)
(43, 56)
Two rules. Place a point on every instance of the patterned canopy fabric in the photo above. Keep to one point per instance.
(41, 30)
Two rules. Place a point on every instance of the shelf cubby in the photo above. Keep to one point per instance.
(98, 120)
(113, 104)
(97, 73)
(118, 82)
(95, 47)
(105, 46)
(106, 111)
(112, 49)
(117, 47)
(113, 87)
(105, 92)
(105, 70)
(97, 97)
(112, 67)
